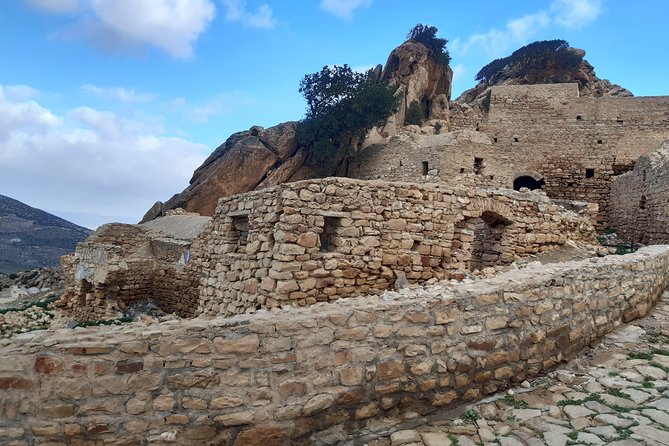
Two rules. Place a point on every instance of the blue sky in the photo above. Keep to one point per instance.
(108, 105)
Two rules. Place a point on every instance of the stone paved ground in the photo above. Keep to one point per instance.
(616, 394)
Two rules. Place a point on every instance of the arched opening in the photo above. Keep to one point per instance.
(529, 182)
(478, 242)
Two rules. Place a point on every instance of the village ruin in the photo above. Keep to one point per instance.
(313, 311)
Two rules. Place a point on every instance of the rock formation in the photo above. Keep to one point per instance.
(259, 158)
(588, 82)
(242, 163)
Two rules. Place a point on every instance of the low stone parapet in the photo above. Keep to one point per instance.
(315, 375)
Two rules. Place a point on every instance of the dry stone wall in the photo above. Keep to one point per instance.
(319, 240)
(640, 200)
(576, 145)
(317, 375)
(121, 265)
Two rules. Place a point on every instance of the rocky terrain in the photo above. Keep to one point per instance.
(31, 238)
(259, 158)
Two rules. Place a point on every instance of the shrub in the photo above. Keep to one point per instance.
(533, 57)
(427, 35)
(342, 106)
(415, 114)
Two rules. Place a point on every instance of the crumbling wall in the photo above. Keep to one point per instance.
(640, 200)
(319, 240)
(318, 375)
(575, 144)
(121, 265)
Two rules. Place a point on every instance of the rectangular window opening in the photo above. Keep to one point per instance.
(329, 234)
(599, 141)
(515, 139)
(240, 229)
(478, 165)
(426, 167)
(494, 139)
(579, 118)
(589, 173)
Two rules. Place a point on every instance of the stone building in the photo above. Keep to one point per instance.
(319, 240)
(121, 265)
(640, 200)
(531, 136)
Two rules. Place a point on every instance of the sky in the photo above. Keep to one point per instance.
(107, 106)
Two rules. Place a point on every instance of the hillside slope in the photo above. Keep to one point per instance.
(31, 238)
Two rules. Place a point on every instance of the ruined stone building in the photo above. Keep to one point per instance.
(534, 136)
(319, 240)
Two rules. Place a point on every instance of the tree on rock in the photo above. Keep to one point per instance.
(342, 106)
(538, 56)
(427, 35)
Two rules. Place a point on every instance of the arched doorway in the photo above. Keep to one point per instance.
(478, 242)
(529, 182)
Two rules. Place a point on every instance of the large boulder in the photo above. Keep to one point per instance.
(247, 160)
(420, 79)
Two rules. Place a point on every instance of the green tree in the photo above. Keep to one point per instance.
(534, 57)
(427, 35)
(342, 106)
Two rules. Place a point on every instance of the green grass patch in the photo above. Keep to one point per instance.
(618, 393)
(41, 304)
(515, 403)
(660, 366)
(591, 397)
(454, 440)
(470, 416)
(641, 355)
(660, 351)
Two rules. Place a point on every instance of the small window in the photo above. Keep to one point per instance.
(240, 230)
(599, 141)
(478, 165)
(619, 121)
(400, 163)
(579, 118)
(329, 234)
(589, 173)
(426, 167)
(462, 170)
(515, 139)
(642, 202)
(494, 139)
(415, 246)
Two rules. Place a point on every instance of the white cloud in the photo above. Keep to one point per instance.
(344, 8)
(20, 92)
(220, 104)
(55, 6)
(90, 161)
(172, 26)
(576, 13)
(118, 93)
(237, 11)
(564, 13)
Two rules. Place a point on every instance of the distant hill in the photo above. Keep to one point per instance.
(31, 238)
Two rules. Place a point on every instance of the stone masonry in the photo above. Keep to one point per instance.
(640, 200)
(121, 265)
(530, 134)
(316, 375)
(319, 240)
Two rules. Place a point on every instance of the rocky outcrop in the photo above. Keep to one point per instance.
(259, 158)
(247, 160)
(420, 80)
(588, 82)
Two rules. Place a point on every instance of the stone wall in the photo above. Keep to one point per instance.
(121, 265)
(546, 132)
(319, 240)
(318, 375)
(640, 200)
